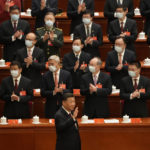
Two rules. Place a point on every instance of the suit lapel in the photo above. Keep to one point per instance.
(140, 83)
(83, 31)
(10, 27)
(34, 54)
(131, 84)
(91, 79)
(116, 58)
(20, 84)
(19, 25)
(60, 77)
(126, 25)
(11, 83)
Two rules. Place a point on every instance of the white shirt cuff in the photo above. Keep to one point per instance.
(13, 39)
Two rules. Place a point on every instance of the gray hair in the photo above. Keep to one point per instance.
(54, 57)
(99, 61)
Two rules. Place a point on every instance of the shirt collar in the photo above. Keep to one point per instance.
(14, 21)
(18, 79)
(124, 21)
(97, 75)
(31, 49)
(138, 78)
(57, 72)
(122, 54)
(77, 54)
(90, 25)
(66, 110)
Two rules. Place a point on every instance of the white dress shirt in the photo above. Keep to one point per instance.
(77, 55)
(90, 28)
(58, 73)
(124, 22)
(31, 50)
(18, 80)
(121, 1)
(97, 76)
(122, 55)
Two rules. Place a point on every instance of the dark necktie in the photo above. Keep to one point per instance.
(16, 85)
(119, 2)
(121, 26)
(135, 84)
(88, 31)
(15, 26)
(48, 4)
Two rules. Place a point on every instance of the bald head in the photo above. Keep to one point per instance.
(31, 37)
(96, 64)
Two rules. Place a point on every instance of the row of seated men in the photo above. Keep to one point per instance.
(16, 90)
(32, 52)
(50, 38)
(75, 9)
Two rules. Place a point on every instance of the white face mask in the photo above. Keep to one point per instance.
(28, 43)
(14, 73)
(76, 48)
(14, 17)
(86, 21)
(118, 49)
(92, 69)
(119, 15)
(132, 74)
(49, 23)
(52, 68)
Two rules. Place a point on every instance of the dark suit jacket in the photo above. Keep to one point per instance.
(72, 12)
(6, 33)
(69, 61)
(16, 110)
(96, 31)
(115, 30)
(111, 5)
(145, 12)
(48, 86)
(136, 107)
(96, 104)
(112, 63)
(68, 137)
(51, 6)
(33, 72)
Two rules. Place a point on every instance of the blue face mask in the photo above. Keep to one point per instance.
(132, 74)
(14, 17)
(28, 43)
(49, 23)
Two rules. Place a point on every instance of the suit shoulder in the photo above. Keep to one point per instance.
(6, 79)
(65, 72)
(27, 80)
(58, 29)
(145, 78)
(97, 25)
(106, 75)
(131, 20)
(130, 52)
(41, 28)
(24, 21)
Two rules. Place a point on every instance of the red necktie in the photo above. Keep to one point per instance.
(16, 84)
(15, 26)
(56, 80)
(120, 59)
(135, 84)
(121, 27)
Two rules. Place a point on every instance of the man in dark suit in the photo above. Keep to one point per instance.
(96, 86)
(16, 91)
(117, 61)
(148, 36)
(32, 60)
(76, 62)
(75, 11)
(135, 90)
(123, 26)
(12, 33)
(68, 137)
(145, 12)
(55, 82)
(111, 5)
(5, 7)
(90, 33)
(40, 8)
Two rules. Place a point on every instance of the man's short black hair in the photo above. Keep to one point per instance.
(122, 6)
(120, 37)
(15, 63)
(136, 63)
(14, 8)
(50, 13)
(88, 12)
(67, 95)
(78, 38)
